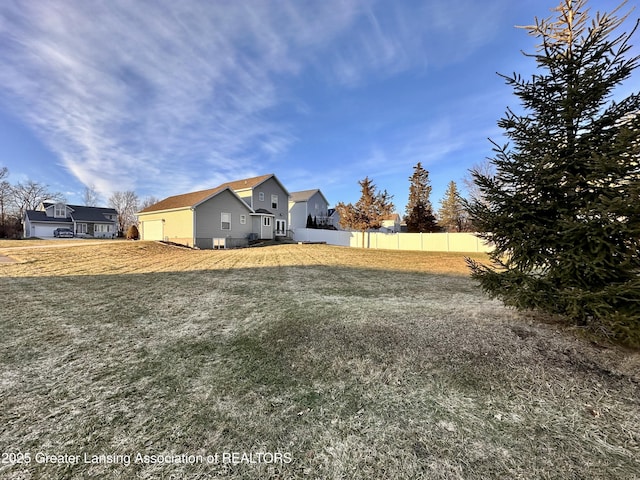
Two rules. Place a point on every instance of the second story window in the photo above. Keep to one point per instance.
(60, 211)
(274, 201)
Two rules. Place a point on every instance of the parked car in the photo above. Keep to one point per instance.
(63, 233)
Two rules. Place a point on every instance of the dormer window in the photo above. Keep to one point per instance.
(60, 210)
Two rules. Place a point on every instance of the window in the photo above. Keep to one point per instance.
(81, 228)
(60, 211)
(225, 221)
(267, 221)
(243, 219)
(261, 196)
(101, 228)
(274, 201)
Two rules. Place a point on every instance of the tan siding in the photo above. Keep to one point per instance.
(178, 225)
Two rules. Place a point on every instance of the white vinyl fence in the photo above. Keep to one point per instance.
(428, 242)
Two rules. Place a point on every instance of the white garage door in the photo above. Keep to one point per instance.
(152, 230)
(43, 231)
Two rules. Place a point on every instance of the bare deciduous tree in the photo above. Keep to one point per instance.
(485, 169)
(90, 196)
(126, 204)
(148, 201)
(28, 195)
(5, 194)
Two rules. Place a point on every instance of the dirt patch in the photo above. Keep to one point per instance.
(4, 259)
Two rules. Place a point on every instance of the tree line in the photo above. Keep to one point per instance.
(17, 198)
(375, 206)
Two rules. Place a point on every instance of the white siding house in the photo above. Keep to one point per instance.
(307, 203)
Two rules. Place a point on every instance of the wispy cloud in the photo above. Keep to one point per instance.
(129, 93)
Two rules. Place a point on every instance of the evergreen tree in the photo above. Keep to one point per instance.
(452, 215)
(563, 209)
(419, 215)
(368, 212)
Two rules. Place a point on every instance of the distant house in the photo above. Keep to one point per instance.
(334, 218)
(391, 223)
(97, 222)
(307, 203)
(228, 215)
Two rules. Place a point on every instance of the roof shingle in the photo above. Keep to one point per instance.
(191, 199)
(183, 201)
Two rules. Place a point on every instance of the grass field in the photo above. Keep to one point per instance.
(312, 361)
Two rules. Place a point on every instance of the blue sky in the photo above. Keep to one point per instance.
(167, 97)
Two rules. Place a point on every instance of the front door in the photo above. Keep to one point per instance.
(281, 228)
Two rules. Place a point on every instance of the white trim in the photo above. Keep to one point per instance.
(225, 217)
(59, 210)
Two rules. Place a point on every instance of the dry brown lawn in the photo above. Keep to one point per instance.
(349, 363)
(47, 257)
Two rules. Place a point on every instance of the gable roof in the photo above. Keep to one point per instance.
(253, 182)
(248, 182)
(186, 200)
(77, 213)
(392, 216)
(102, 210)
(91, 214)
(41, 216)
(305, 195)
(189, 200)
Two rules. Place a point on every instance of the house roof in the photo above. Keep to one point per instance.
(186, 200)
(79, 213)
(251, 183)
(248, 182)
(192, 199)
(393, 216)
(91, 214)
(263, 211)
(103, 210)
(305, 195)
(40, 216)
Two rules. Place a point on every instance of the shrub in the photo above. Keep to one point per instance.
(132, 233)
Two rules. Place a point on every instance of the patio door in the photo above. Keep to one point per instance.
(281, 228)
